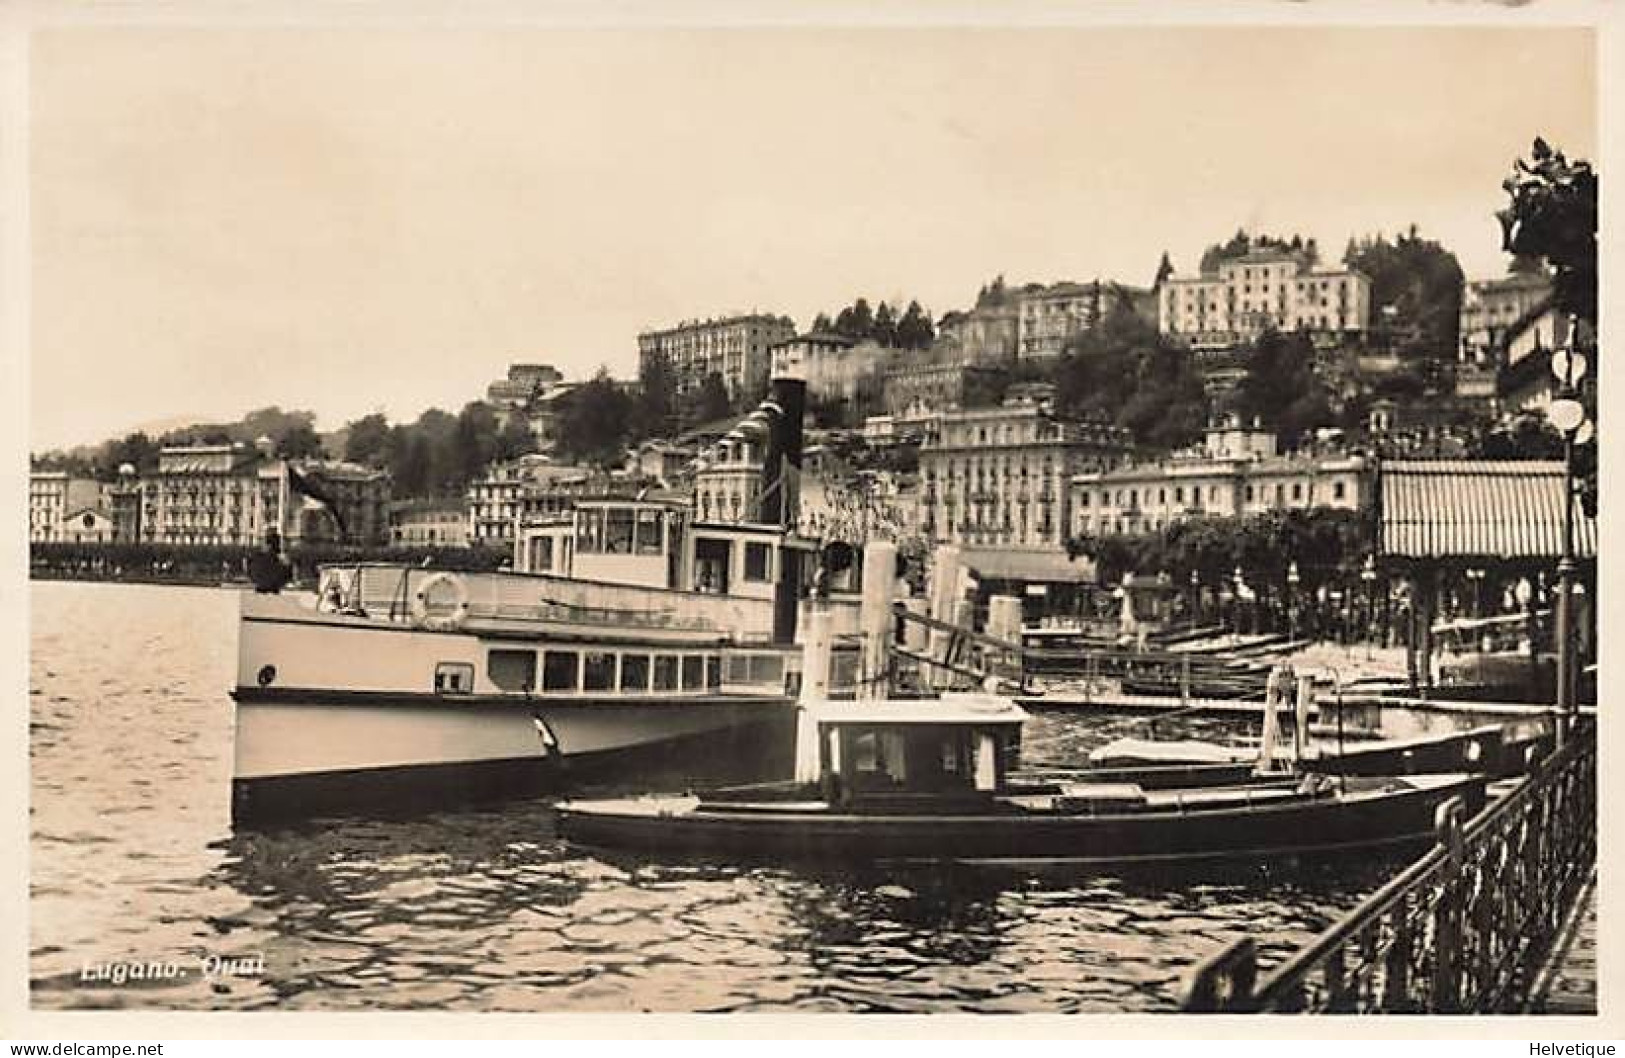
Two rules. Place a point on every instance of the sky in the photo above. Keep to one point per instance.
(360, 220)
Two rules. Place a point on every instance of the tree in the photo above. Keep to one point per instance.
(595, 424)
(136, 449)
(1241, 244)
(914, 330)
(1416, 289)
(1553, 216)
(708, 401)
(657, 395)
(821, 323)
(884, 331)
(299, 442)
(367, 441)
(1281, 389)
(1123, 371)
(1165, 271)
(514, 439)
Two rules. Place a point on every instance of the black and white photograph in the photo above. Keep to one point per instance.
(1038, 510)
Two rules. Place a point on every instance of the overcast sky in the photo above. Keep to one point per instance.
(352, 221)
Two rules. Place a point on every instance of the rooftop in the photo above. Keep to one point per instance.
(1477, 509)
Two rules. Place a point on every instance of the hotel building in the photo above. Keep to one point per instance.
(1266, 288)
(735, 348)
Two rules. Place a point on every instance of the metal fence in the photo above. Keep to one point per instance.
(1462, 930)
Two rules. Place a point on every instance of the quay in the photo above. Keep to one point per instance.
(1567, 984)
(1498, 917)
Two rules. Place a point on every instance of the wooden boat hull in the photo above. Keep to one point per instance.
(1401, 812)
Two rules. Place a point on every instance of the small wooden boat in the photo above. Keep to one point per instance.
(884, 780)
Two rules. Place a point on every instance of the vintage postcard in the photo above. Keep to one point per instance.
(1056, 510)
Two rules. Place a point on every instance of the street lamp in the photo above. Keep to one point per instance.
(1568, 415)
(1292, 579)
(1368, 576)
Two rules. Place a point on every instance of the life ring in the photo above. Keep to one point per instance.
(439, 617)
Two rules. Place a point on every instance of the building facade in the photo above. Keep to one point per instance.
(428, 523)
(987, 334)
(735, 348)
(213, 495)
(1048, 315)
(1271, 288)
(54, 496)
(911, 391)
(1238, 472)
(998, 476)
(1492, 308)
(523, 384)
(832, 365)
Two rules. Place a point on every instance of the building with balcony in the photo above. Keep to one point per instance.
(1046, 316)
(214, 495)
(735, 348)
(998, 476)
(52, 496)
(1238, 471)
(1491, 309)
(1270, 288)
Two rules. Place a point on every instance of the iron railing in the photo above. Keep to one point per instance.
(1462, 930)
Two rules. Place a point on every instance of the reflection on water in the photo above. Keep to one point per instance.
(134, 861)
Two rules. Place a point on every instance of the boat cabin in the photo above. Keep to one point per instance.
(655, 544)
(895, 752)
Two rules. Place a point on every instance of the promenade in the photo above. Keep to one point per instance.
(1567, 984)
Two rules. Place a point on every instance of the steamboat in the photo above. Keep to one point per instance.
(627, 627)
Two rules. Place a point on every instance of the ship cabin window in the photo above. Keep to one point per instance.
(635, 672)
(512, 670)
(618, 531)
(541, 554)
(912, 759)
(589, 531)
(453, 677)
(713, 672)
(560, 670)
(757, 561)
(598, 671)
(665, 672)
(693, 672)
(649, 538)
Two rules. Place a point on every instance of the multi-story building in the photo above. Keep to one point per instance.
(1492, 308)
(728, 482)
(987, 334)
(55, 498)
(496, 502)
(428, 523)
(832, 365)
(230, 495)
(912, 390)
(735, 348)
(1265, 288)
(220, 495)
(998, 476)
(1525, 382)
(1237, 472)
(1048, 315)
(360, 496)
(525, 382)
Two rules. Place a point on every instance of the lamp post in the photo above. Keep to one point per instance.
(1368, 576)
(1292, 579)
(1568, 415)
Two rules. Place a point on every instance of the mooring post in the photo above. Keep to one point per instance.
(943, 590)
(1004, 622)
(876, 618)
(1300, 716)
(815, 666)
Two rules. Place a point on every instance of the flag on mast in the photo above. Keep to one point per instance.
(317, 494)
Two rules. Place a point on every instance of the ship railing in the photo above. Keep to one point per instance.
(1183, 674)
(388, 592)
(1462, 930)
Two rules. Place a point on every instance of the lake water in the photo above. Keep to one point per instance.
(134, 861)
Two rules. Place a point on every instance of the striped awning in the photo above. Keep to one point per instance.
(1477, 509)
